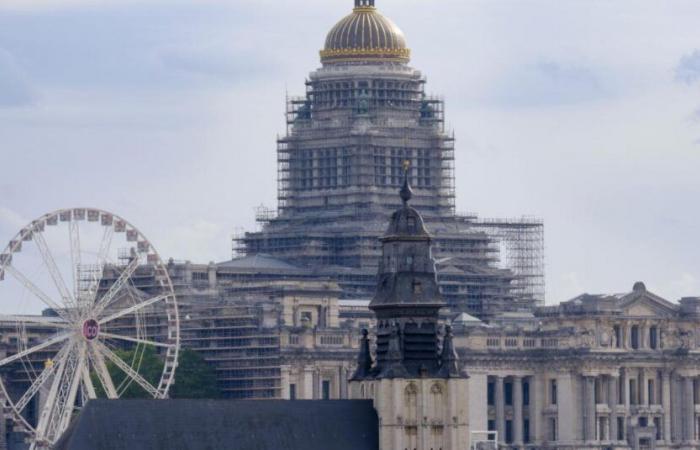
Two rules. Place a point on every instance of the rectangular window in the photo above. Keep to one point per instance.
(491, 393)
(552, 432)
(526, 431)
(653, 338)
(292, 391)
(326, 388)
(657, 425)
(650, 392)
(509, 431)
(526, 393)
(635, 337)
(618, 336)
(620, 428)
(553, 392)
(633, 392)
(508, 387)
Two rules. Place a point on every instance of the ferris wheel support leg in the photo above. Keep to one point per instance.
(40, 441)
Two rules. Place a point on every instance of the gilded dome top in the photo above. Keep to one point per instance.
(365, 36)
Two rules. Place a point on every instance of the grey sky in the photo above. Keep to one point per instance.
(583, 112)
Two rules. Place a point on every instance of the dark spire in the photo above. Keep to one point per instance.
(365, 3)
(364, 360)
(393, 367)
(449, 360)
(406, 191)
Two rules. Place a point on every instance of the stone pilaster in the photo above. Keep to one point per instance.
(517, 411)
(589, 408)
(613, 381)
(500, 409)
(666, 402)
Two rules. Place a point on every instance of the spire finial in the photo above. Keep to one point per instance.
(406, 191)
(364, 360)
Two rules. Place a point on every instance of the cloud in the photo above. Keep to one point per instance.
(218, 61)
(688, 68)
(14, 87)
(547, 83)
(11, 220)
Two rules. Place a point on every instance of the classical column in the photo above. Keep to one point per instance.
(642, 388)
(666, 402)
(589, 408)
(500, 409)
(613, 381)
(517, 411)
(688, 410)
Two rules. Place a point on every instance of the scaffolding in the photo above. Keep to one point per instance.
(522, 243)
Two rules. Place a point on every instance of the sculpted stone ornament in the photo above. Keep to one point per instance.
(586, 339)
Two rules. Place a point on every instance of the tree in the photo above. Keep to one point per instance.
(194, 378)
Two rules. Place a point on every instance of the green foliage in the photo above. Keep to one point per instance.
(193, 377)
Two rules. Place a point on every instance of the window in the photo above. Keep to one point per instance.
(620, 428)
(491, 394)
(650, 392)
(292, 391)
(653, 338)
(526, 431)
(508, 388)
(618, 336)
(643, 422)
(635, 337)
(526, 393)
(509, 431)
(326, 390)
(492, 427)
(633, 392)
(553, 392)
(552, 429)
(657, 425)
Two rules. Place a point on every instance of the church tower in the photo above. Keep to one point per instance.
(417, 383)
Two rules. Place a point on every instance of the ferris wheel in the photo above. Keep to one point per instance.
(88, 296)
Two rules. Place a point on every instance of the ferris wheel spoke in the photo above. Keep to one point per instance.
(36, 385)
(55, 273)
(41, 295)
(135, 340)
(98, 362)
(124, 277)
(133, 309)
(126, 368)
(105, 245)
(61, 406)
(36, 348)
(75, 258)
(87, 383)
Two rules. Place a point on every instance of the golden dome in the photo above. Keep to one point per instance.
(365, 36)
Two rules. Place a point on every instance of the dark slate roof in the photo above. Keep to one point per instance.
(222, 424)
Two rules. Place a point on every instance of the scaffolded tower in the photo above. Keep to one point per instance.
(365, 113)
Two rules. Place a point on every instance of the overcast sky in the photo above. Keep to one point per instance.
(583, 112)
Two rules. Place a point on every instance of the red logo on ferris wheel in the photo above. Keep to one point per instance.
(91, 329)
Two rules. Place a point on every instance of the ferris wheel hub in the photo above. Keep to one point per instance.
(91, 328)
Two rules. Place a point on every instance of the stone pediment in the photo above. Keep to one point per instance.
(646, 304)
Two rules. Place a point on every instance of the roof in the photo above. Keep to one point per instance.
(365, 35)
(219, 424)
(260, 262)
